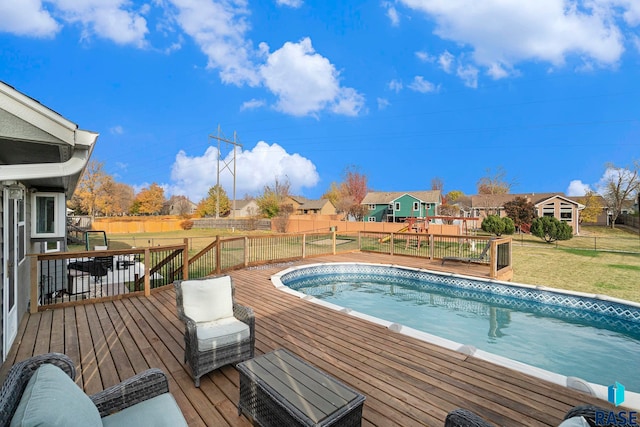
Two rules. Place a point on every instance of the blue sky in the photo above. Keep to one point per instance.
(404, 90)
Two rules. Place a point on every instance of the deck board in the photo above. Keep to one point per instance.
(406, 381)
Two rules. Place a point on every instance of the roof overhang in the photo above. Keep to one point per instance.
(39, 147)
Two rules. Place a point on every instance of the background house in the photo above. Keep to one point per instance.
(179, 205)
(397, 206)
(304, 206)
(42, 157)
(244, 208)
(545, 204)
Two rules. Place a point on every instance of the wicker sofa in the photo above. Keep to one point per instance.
(41, 391)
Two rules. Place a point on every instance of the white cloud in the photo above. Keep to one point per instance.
(291, 3)
(469, 75)
(395, 85)
(419, 84)
(219, 29)
(117, 130)
(529, 30)
(306, 82)
(109, 19)
(193, 176)
(27, 18)
(252, 104)
(425, 57)
(392, 13)
(577, 188)
(383, 103)
(446, 60)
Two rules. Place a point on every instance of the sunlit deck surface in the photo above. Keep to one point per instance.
(406, 381)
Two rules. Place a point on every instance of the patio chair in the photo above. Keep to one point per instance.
(218, 331)
(41, 391)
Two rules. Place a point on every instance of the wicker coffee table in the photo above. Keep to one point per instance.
(279, 389)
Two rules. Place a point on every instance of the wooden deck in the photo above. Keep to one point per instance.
(406, 381)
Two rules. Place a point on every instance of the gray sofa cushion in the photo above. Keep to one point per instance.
(159, 411)
(51, 398)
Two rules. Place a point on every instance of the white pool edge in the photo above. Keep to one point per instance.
(632, 399)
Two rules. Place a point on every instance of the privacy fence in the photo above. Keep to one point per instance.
(69, 278)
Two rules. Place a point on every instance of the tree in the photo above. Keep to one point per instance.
(592, 208)
(149, 200)
(209, 205)
(494, 183)
(520, 210)
(273, 198)
(621, 185)
(494, 224)
(88, 194)
(550, 229)
(437, 184)
(347, 196)
(453, 195)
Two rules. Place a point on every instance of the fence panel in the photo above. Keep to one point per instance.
(411, 244)
(375, 242)
(318, 244)
(232, 253)
(274, 248)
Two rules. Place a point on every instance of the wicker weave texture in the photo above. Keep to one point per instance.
(269, 410)
(146, 385)
(203, 362)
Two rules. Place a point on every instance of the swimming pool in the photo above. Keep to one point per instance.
(554, 334)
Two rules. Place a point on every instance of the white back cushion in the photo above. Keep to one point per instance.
(207, 300)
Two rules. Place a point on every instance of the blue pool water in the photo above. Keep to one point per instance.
(570, 341)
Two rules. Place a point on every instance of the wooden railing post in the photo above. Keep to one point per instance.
(147, 271)
(493, 258)
(185, 260)
(304, 245)
(391, 244)
(333, 242)
(33, 305)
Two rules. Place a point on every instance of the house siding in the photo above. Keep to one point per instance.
(1, 273)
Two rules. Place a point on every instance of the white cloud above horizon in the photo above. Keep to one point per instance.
(419, 84)
(290, 3)
(192, 176)
(531, 30)
(577, 188)
(306, 82)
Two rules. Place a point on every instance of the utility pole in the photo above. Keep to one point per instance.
(225, 165)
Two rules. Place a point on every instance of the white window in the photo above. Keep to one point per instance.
(372, 219)
(397, 206)
(548, 210)
(390, 206)
(566, 212)
(47, 219)
(372, 207)
(416, 206)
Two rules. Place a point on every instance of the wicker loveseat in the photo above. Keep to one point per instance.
(218, 331)
(41, 391)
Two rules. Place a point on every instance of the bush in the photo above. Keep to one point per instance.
(187, 224)
(495, 225)
(550, 229)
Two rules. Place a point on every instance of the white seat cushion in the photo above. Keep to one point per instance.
(158, 411)
(207, 300)
(220, 333)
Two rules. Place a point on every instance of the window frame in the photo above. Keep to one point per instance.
(58, 211)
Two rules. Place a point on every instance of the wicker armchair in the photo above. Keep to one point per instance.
(218, 331)
(142, 387)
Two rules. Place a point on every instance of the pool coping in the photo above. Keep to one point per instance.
(632, 399)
